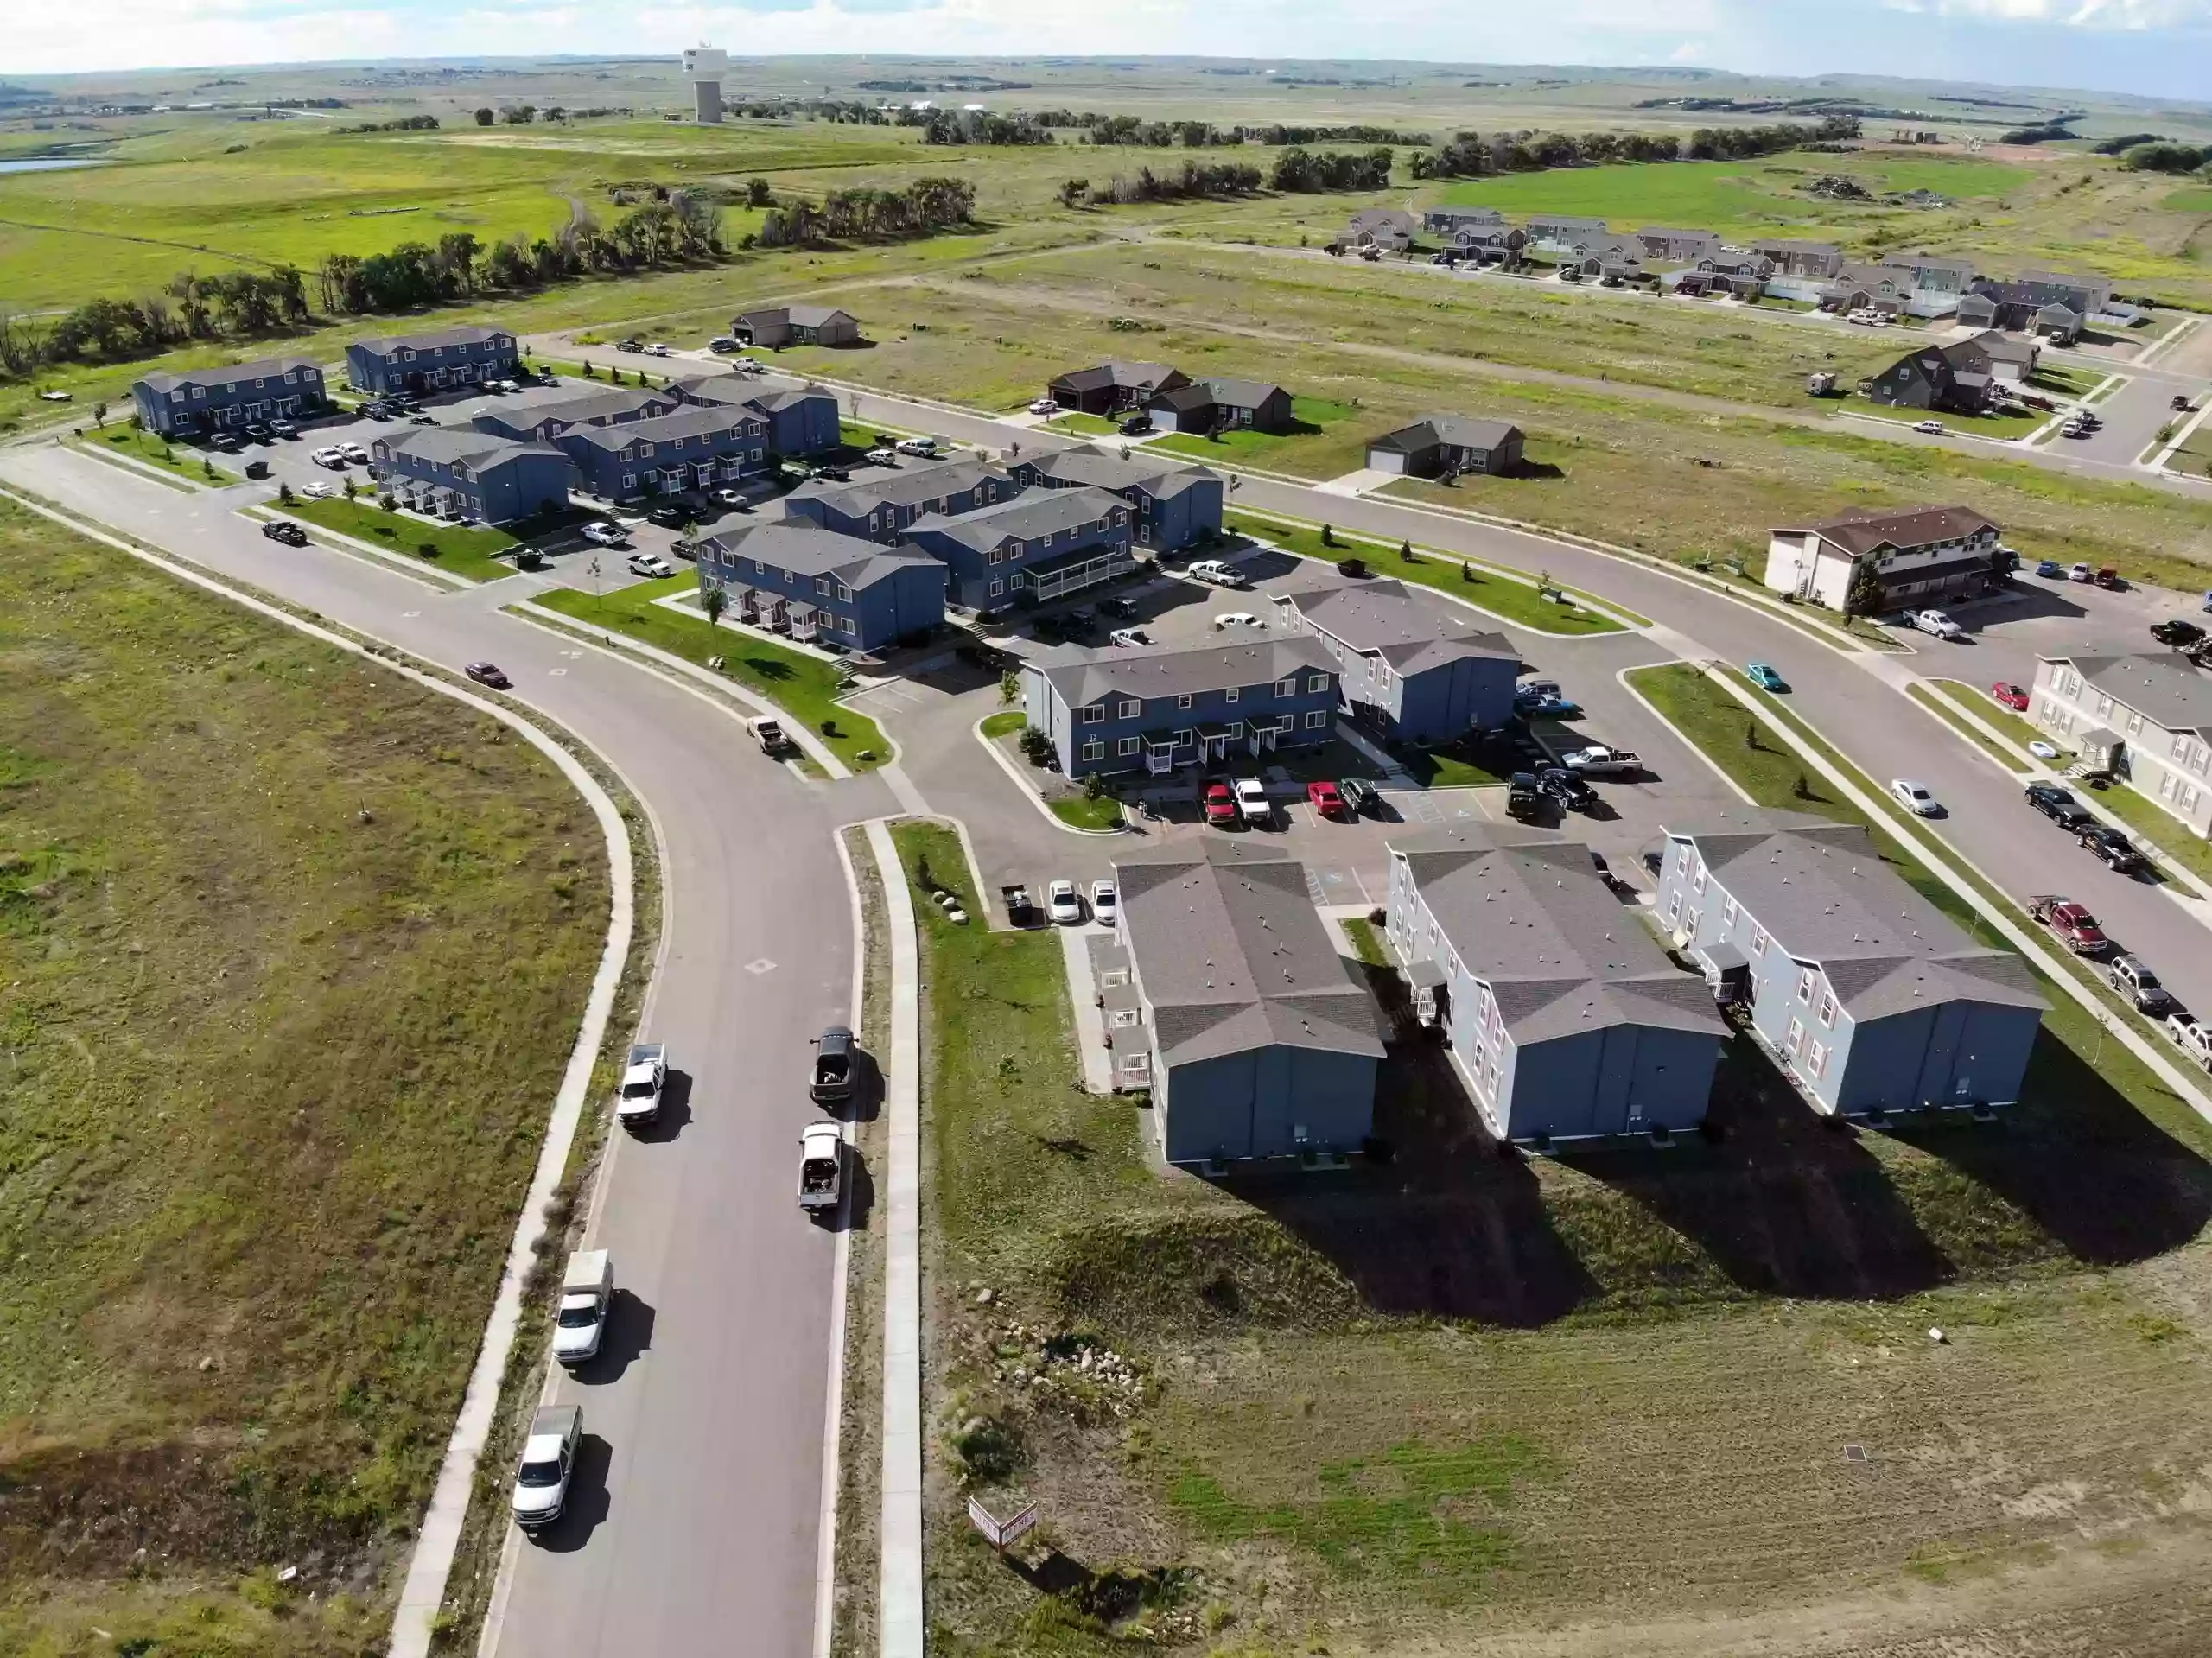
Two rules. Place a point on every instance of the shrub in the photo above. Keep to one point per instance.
(1328, 536)
(1405, 554)
(1351, 567)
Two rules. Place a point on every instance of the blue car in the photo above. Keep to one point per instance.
(1765, 677)
(1550, 707)
(2051, 569)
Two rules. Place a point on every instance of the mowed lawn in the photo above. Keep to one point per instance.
(473, 551)
(1412, 1407)
(292, 956)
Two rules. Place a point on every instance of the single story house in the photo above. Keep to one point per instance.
(1224, 405)
(795, 325)
(435, 361)
(1039, 546)
(1410, 667)
(1443, 446)
(802, 421)
(1261, 1044)
(492, 479)
(1870, 998)
(196, 400)
(1389, 229)
(1155, 709)
(880, 507)
(692, 448)
(541, 417)
(1561, 1012)
(1173, 503)
(1920, 556)
(1450, 221)
(1114, 388)
(2145, 715)
(792, 576)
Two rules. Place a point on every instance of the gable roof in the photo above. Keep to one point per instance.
(480, 451)
(1025, 517)
(1859, 534)
(573, 406)
(799, 316)
(2163, 686)
(1463, 431)
(1823, 894)
(1242, 394)
(1526, 913)
(266, 368)
(465, 334)
(1185, 671)
(1125, 374)
(687, 421)
(1231, 954)
(903, 488)
(805, 548)
(1386, 617)
(1160, 477)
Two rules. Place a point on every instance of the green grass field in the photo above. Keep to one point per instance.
(187, 464)
(459, 549)
(270, 1119)
(803, 686)
(2003, 427)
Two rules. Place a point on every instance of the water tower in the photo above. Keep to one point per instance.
(704, 67)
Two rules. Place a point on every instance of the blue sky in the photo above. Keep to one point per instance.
(2156, 47)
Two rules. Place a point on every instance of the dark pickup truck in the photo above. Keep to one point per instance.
(833, 1067)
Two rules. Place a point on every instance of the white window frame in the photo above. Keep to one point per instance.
(1183, 701)
(1805, 977)
(1316, 718)
(1230, 695)
(1129, 709)
(1093, 750)
(997, 587)
(1317, 682)
(1827, 1014)
(1128, 745)
(1758, 941)
(1094, 713)
(1286, 687)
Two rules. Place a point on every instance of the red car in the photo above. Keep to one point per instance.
(1221, 805)
(2013, 696)
(1325, 799)
(2072, 923)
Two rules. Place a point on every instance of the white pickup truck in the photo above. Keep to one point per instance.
(1599, 761)
(821, 1167)
(1936, 622)
(643, 1081)
(586, 1290)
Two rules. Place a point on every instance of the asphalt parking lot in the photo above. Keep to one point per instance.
(2039, 615)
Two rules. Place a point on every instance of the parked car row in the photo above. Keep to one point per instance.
(2112, 847)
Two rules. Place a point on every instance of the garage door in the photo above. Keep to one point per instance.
(1385, 460)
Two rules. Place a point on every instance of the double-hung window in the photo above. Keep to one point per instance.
(1286, 687)
(1317, 682)
(1130, 709)
(1316, 718)
(1128, 745)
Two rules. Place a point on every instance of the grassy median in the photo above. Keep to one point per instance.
(292, 954)
(462, 549)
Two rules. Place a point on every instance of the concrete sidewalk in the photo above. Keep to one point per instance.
(899, 1616)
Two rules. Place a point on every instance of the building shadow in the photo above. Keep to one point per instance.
(629, 1333)
(2078, 1159)
(1782, 1201)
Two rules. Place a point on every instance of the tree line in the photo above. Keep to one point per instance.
(2165, 156)
(1473, 154)
(234, 304)
(1192, 182)
(867, 214)
(1299, 171)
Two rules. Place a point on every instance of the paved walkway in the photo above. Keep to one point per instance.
(900, 1617)
(1082, 996)
(1358, 483)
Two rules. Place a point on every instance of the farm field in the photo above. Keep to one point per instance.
(1356, 1417)
(269, 1123)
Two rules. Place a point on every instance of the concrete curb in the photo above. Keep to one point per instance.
(1651, 708)
(1033, 797)
(143, 468)
(900, 1616)
(2030, 945)
(603, 639)
(428, 576)
(439, 1535)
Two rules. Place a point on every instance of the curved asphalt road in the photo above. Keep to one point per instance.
(696, 1513)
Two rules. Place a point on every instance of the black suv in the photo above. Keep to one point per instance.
(2058, 804)
(2117, 851)
(669, 517)
(1358, 796)
(285, 530)
(1571, 791)
(1522, 796)
(1136, 425)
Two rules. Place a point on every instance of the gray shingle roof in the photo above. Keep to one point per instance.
(265, 368)
(1231, 954)
(1240, 394)
(2160, 685)
(578, 405)
(801, 545)
(466, 334)
(1386, 617)
(1117, 371)
(663, 429)
(446, 444)
(1463, 430)
(1029, 515)
(1823, 894)
(799, 316)
(1160, 477)
(904, 486)
(1177, 672)
(1527, 915)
